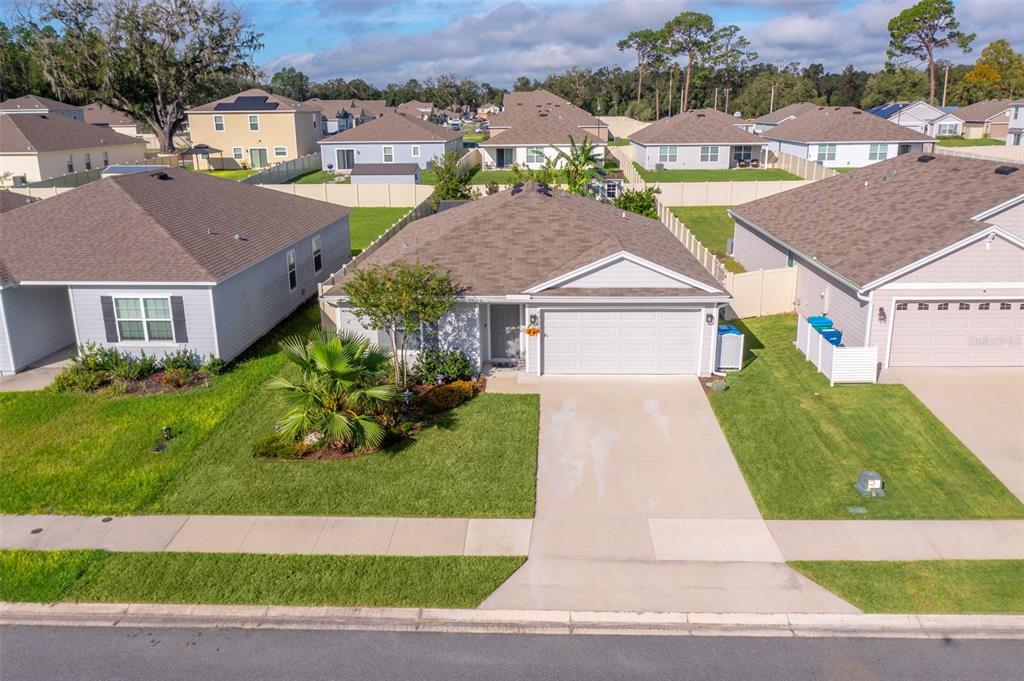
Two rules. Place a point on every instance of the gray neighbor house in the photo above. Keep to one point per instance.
(391, 138)
(158, 261)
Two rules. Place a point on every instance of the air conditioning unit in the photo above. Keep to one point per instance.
(659, 166)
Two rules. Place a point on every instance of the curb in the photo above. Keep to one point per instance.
(551, 622)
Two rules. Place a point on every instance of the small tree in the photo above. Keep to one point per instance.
(397, 298)
(639, 201)
(450, 182)
(920, 30)
(580, 164)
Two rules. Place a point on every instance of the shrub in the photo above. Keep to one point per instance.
(176, 377)
(275, 446)
(639, 201)
(133, 368)
(448, 396)
(453, 365)
(80, 378)
(97, 358)
(181, 359)
(214, 365)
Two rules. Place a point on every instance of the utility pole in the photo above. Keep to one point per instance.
(945, 82)
(771, 105)
(726, 100)
(716, 99)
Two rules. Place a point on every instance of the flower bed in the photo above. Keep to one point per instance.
(108, 370)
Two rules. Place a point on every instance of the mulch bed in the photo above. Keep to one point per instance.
(154, 385)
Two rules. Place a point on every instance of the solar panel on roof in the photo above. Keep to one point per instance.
(247, 104)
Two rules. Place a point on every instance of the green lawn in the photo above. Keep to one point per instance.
(713, 227)
(962, 142)
(477, 176)
(724, 175)
(925, 586)
(801, 444)
(619, 142)
(319, 177)
(844, 170)
(232, 174)
(371, 581)
(366, 224)
(90, 454)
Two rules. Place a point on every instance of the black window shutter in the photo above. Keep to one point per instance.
(109, 321)
(178, 317)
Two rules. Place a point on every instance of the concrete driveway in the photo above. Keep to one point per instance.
(983, 407)
(641, 506)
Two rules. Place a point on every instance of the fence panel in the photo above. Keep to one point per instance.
(360, 195)
(285, 172)
(809, 170)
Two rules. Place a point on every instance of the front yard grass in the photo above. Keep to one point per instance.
(724, 175)
(923, 586)
(366, 224)
(801, 444)
(225, 578)
(91, 454)
(713, 227)
(964, 142)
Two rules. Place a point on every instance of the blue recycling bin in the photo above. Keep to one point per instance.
(820, 322)
(833, 336)
(728, 330)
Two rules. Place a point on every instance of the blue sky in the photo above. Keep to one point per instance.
(497, 40)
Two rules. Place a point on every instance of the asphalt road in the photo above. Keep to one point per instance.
(115, 654)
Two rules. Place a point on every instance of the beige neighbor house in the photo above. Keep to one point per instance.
(920, 256)
(990, 118)
(36, 147)
(342, 114)
(1015, 128)
(255, 129)
(583, 288)
(105, 117)
(534, 126)
(696, 139)
(762, 124)
(844, 137)
(34, 104)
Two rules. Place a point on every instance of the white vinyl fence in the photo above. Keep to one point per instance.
(809, 170)
(839, 364)
(285, 172)
(1012, 154)
(360, 195)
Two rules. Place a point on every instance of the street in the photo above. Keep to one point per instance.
(153, 654)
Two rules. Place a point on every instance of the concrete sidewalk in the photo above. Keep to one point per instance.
(270, 534)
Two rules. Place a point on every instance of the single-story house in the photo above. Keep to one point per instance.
(156, 262)
(582, 288)
(699, 138)
(36, 147)
(390, 138)
(844, 137)
(989, 118)
(922, 117)
(920, 256)
(34, 104)
(342, 114)
(1015, 127)
(534, 126)
(416, 109)
(762, 124)
(386, 173)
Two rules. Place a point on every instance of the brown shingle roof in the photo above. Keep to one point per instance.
(539, 117)
(283, 103)
(11, 200)
(29, 133)
(356, 107)
(415, 108)
(34, 103)
(779, 115)
(100, 114)
(979, 112)
(875, 220)
(385, 169)
(511, 241)
(699, 126)
(394, 127)
(140, 227)
(842, 124)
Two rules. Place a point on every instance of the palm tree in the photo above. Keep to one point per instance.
(580, 164)
(340, 389)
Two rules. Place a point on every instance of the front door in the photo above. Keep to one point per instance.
(504, 332)
(346, 159)
(257, 158)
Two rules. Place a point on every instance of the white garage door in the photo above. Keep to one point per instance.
(958, 333)
(621, 342)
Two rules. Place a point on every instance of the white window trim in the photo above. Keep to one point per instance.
(144, 319)
(284, 151)
(878, 152)
(257, 117)
(240, 156)
(711, 151)
(70, 163)
(415, 151)
(106, 159)
(384, 153)
(668, 154)
(318, 249)
(826, 152)
(292, 268)
(223, 125)
(88, 161)
(535, 151)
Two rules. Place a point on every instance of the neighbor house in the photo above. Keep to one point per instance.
(1015, 127)
(160, 261)
(534, 126)
(391, 138)
(762, 124)
(255, 129)
(342, 114)
(416, 109)
(34, 104)
(920, 256)
(921, 117)
(122, 123)
(987, 119)
(581, 288)
(696, 139)
(844, 137)
(10, 200)
(36, 147)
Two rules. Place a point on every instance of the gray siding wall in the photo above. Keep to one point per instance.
(251, 303)
(198, 317)
(755, 252)
(38, 323)
(818, 293)
(6, 363)
(984, 261)
(373, 152)
(1011, 219)
(687, 156)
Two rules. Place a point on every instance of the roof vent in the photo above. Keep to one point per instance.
(543, 188)
(238, 237)
(160, 175)
(857, 113)
(700, 115)
(1005, 170)
(516, 188)
(924, 158)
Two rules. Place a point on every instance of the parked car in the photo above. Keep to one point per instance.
(470, 145)
(456, 126)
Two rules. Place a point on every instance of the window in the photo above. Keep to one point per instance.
(415, 338)
(901, 306)
(878, 152)
(983, 306)
(389, 154)
(965, 306)
(254, 123)
(1005, 306)
(922, 306)
(943, 306)
(668, 154)
(218, 123)
(88, 161)
(789, 259)
(71, 163)
(534, 155)
(143, 319)
(293, 278)
(236, 153)
(709, 154)
(106, 159)
(316, 121)
(415, 151)
(318, 258)
(826, 152)
(743, 153)
(280, 151)
(947, 129)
